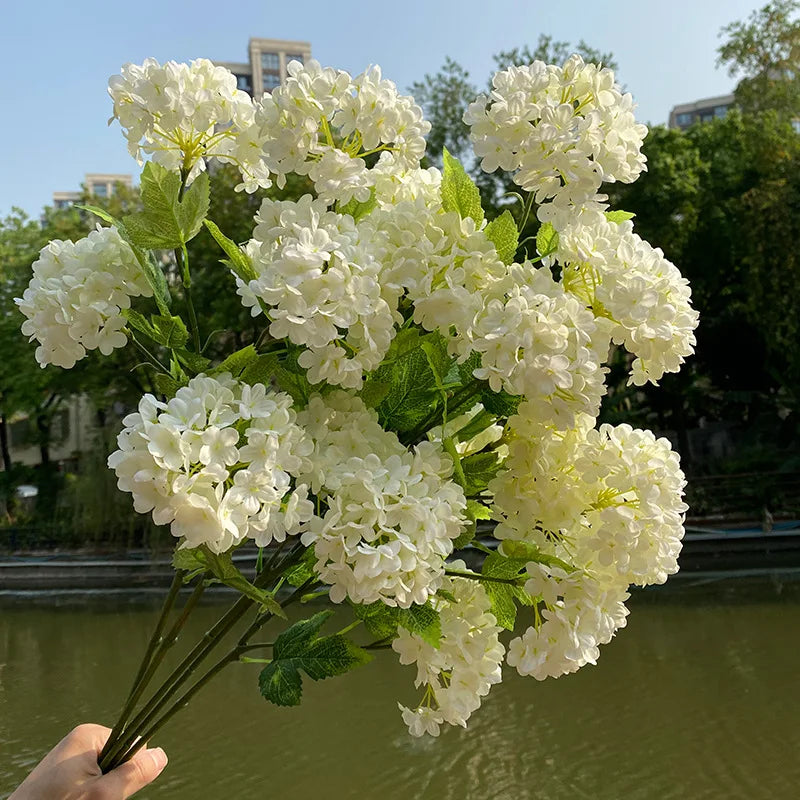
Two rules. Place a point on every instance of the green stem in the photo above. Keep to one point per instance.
(458, 398)
(139, 681)
(456, 573)
(526, 211)
(148, 355)
(185, 669)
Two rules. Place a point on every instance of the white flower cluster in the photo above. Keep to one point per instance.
(465, 665)
(217, 462)
(579, 614)
(74, 300)
(392, 514)
(322, 122)
(606, 500)
(321, 278)
(562, 131)
(622, 277)
(182, 114)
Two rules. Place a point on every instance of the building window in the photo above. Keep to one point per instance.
(720, 111)
(100, 190)
(706, 116)
(271, 81)
(19, 433)
(244, 83)
(796, 124)
(296, 57)
(684, 120)
(270, 62)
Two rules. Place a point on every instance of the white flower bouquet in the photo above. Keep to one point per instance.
(415, 390)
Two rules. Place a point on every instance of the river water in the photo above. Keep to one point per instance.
(697, 698)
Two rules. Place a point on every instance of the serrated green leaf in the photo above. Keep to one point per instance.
(169, 331)
(479, 469)
(466, 368)
(466, 537)
(503, 234)
(378, 618)
(619, 216)
(299, 648)
(412, 391)
(505, 596)
(501, 404)
(303, 570)
(546, 239)
(405, 341)
(479, 423)
(422, 620)
(292, 378)
(476, 510)
(356, 209)
(237, 362)
(187, 559)
(166, 385)
(165, 221)
(459, 192)
(374, 392)
(194, 361)
(238, 260)
(262, 370)
(529, 552)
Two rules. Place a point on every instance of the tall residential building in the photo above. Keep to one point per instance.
(686, 114)
(266, 67)
(97, 184)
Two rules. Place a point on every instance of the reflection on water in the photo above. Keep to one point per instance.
(695, 699)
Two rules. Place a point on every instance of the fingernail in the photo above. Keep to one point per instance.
(159, 758)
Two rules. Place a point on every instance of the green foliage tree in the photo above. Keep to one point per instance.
(764, 53)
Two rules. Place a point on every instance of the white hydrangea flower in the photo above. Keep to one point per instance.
(463, 668)
(321, 278)
(74, 300)
(579, 614)
(562, 131)
(183, 114)
(621, 276)
(217, 462)
(322, 118)
(609, 500)
(392, 514)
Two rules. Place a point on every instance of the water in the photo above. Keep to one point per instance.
(697, 698)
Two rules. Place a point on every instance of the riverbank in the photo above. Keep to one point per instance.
(706, 552)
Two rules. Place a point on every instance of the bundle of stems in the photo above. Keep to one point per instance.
(140, 720)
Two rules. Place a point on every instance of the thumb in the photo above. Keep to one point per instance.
(133, 775)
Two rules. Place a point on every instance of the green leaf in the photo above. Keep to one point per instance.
(505, 596)
(477, 510)
(98, 212)
(187, 558)
(459, 192)
(261, 370)
(503, 233)
(300, 648)
(466, 537)
(529, 552)
(378, 618)
(405, 341)
(238, 260)
(356, 209)
(166, 385)
(501, 404)
(479, 469)
(546, 239)
(162, 329)
(619, 216)
(466, 368)
(237, 362)
(303, 570)
(424, 621)
(169, 331)
(479, 423)
(412, 393)
(374, 392)
(194, 361)
(292, 379)
(225, 571)
(166, 222)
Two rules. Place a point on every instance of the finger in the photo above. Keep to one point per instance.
(133, 775)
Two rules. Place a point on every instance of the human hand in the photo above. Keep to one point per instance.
(70, 770)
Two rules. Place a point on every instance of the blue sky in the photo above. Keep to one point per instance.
(56, 57)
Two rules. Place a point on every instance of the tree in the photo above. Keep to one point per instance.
(764, 52)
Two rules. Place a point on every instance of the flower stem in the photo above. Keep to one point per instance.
(138, 683)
